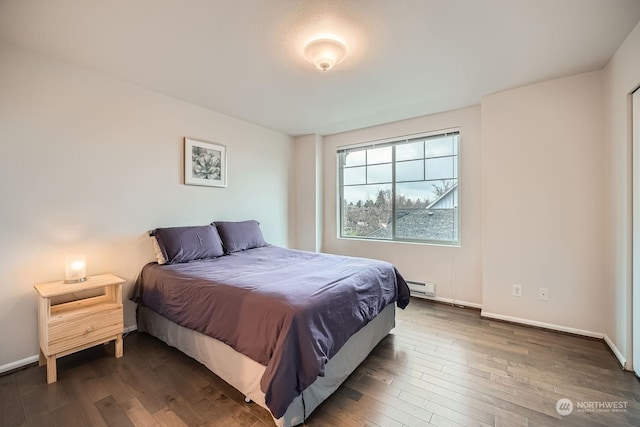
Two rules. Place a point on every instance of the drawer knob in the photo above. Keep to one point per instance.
(89, 328)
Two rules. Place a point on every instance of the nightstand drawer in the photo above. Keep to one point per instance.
(67, 332)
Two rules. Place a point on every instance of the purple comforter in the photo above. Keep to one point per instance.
(288, 310)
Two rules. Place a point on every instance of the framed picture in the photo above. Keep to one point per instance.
(205, 163)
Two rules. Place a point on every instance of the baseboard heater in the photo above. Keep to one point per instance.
(422, 289)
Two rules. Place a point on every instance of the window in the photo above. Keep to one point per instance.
(405, 190)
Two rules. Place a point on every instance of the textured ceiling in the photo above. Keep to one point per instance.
(406, 58)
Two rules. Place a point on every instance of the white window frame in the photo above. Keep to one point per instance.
(394, 142)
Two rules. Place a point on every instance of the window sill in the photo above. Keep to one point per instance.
(410, 242)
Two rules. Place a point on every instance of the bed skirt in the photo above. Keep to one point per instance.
(244, 374)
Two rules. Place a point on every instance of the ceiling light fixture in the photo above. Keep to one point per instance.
(325, 53)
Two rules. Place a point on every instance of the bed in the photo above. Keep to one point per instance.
(284, 327)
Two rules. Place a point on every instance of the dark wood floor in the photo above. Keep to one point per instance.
(441, 366)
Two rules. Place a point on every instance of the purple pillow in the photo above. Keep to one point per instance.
(240, 236)
(184, 244)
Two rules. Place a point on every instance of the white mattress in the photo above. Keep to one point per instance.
(244, 373)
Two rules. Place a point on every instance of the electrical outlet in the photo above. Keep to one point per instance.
(516, 290)
(543, 294)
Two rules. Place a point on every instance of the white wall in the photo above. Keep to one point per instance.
(307, 165)
(621, 77)
(89, 164)
(455, 270)
(543, 217)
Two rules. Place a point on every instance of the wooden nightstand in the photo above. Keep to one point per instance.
(81, 323)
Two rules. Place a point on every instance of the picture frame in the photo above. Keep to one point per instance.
(205, 163)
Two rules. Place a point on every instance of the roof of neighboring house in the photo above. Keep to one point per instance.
(443, 197)
(423, 224)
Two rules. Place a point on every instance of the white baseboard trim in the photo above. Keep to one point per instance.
(616, 352)
(18, 364)
(32, 359)
(544, 325)
(131, 328)
(450, 301)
